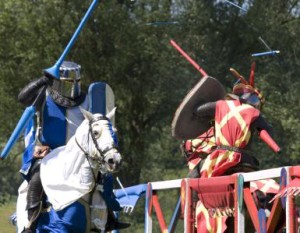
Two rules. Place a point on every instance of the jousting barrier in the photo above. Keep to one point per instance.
(152, 201)
(283, 214)
(237, 189)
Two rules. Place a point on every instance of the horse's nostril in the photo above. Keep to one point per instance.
(111, 161)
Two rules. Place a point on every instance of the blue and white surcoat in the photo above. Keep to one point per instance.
(60, 123)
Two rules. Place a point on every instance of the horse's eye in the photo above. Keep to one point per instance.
(96, 133)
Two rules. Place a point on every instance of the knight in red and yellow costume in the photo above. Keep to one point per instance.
(236, 119)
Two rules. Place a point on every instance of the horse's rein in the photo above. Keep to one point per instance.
(101, 152)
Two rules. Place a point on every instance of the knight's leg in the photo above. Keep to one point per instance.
(111, 202)
(195, 173)
(34, 195)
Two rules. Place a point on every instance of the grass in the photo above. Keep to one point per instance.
(136, 218)
(5, 212)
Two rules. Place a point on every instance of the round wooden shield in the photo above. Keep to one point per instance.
(185, 124)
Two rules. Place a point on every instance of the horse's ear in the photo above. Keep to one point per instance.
(111, 114)
(87, 115)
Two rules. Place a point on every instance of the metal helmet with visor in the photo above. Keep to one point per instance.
(69, 83)
(249, 94)
(246, 90)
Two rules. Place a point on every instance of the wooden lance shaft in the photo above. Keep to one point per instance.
(53, 72)
(25, 118)
(176, 46)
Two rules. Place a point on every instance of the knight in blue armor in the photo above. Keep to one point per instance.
(57, 118)
(58, 113)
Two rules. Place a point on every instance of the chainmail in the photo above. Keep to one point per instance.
(64, 101)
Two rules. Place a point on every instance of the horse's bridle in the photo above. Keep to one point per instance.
(101, 152)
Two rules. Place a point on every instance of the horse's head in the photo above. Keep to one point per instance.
(104, 144)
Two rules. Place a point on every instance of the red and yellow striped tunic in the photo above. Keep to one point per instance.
(232, 129)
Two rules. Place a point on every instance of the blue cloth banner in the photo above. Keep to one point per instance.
(29, 138)
(131, 196)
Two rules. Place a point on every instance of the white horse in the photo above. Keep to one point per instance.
(69, 177)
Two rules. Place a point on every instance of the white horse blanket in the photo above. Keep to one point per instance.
(66, 175)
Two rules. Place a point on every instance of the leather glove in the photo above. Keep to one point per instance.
(41, 151)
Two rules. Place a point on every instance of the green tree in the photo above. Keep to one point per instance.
(124, 45)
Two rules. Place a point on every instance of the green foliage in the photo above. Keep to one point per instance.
(4, 198)
(120, 46)
(10, 178)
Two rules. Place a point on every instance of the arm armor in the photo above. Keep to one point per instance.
(265, 132)
(206, 110)
(260, 123)
(29, 93)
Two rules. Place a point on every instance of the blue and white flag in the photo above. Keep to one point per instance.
(29, 139)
